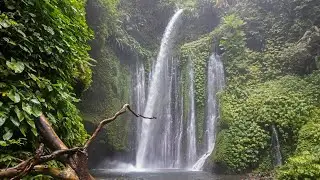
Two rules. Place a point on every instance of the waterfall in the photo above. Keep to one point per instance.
(139, 90)
(215, 83)
(178, 162)
(178, 116)
(276, 145)
(155, 149)
(191, 129)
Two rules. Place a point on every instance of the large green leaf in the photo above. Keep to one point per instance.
(23, 129)
(31, 123)
(8, 135)
(15, 97)
(2, 120)
(34, 131)
(3, 143)
(19, 113)
(36, 111)
(27, 108)
(17, 67)
(36, 101)
(48, 29)
(15, 121)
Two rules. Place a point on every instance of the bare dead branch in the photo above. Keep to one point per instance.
(25, 168)
(139, 115)
(58, 153)
(28, 165)
(109, 120)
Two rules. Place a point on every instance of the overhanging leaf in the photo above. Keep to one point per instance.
(36, 101)
(31, 123)
(34, 131)
(3, 143)
(22, 33)
(15, 121)
(19, 113)
(2, 120)
(17, 67)
(8, 135)
(27, 108)
(23, 129)
(48, 29)
(15, 97)
(36, 111)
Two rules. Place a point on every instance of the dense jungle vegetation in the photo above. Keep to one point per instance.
(70, 59)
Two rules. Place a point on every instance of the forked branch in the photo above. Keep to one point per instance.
(109, 120)
(75, 159)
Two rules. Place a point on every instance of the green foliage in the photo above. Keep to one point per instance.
(306, 163)
(197, 53)
(109, 27)
(43, 55)
(239, 146)
(108, 93)
(270, 53)
(282, 101)
(112, 48)
(185, 4)
(283, 21)
(288, 103)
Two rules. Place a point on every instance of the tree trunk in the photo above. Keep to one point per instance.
(75, 159)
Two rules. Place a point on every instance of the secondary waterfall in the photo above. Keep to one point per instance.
(139, 90)
(155, 149)
(215, 83)
(276, 146)
(191, 130)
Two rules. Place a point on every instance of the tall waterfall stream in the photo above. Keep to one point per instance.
(170, 141)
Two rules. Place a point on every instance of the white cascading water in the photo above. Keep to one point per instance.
(215, 83)
(191, 129)
(276, 146)
(169, 142)
(139, 92)
(179, 134)
(155, 149)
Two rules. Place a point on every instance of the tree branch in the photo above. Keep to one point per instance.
(28, 165)
(58, 153)
(55, 173)
(75, 159)
(139, 115)
(109, 120)
(49, 135)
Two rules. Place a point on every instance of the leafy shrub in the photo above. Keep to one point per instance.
(43, 56)
(306, 163)
(287, 103)
(239, 146)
